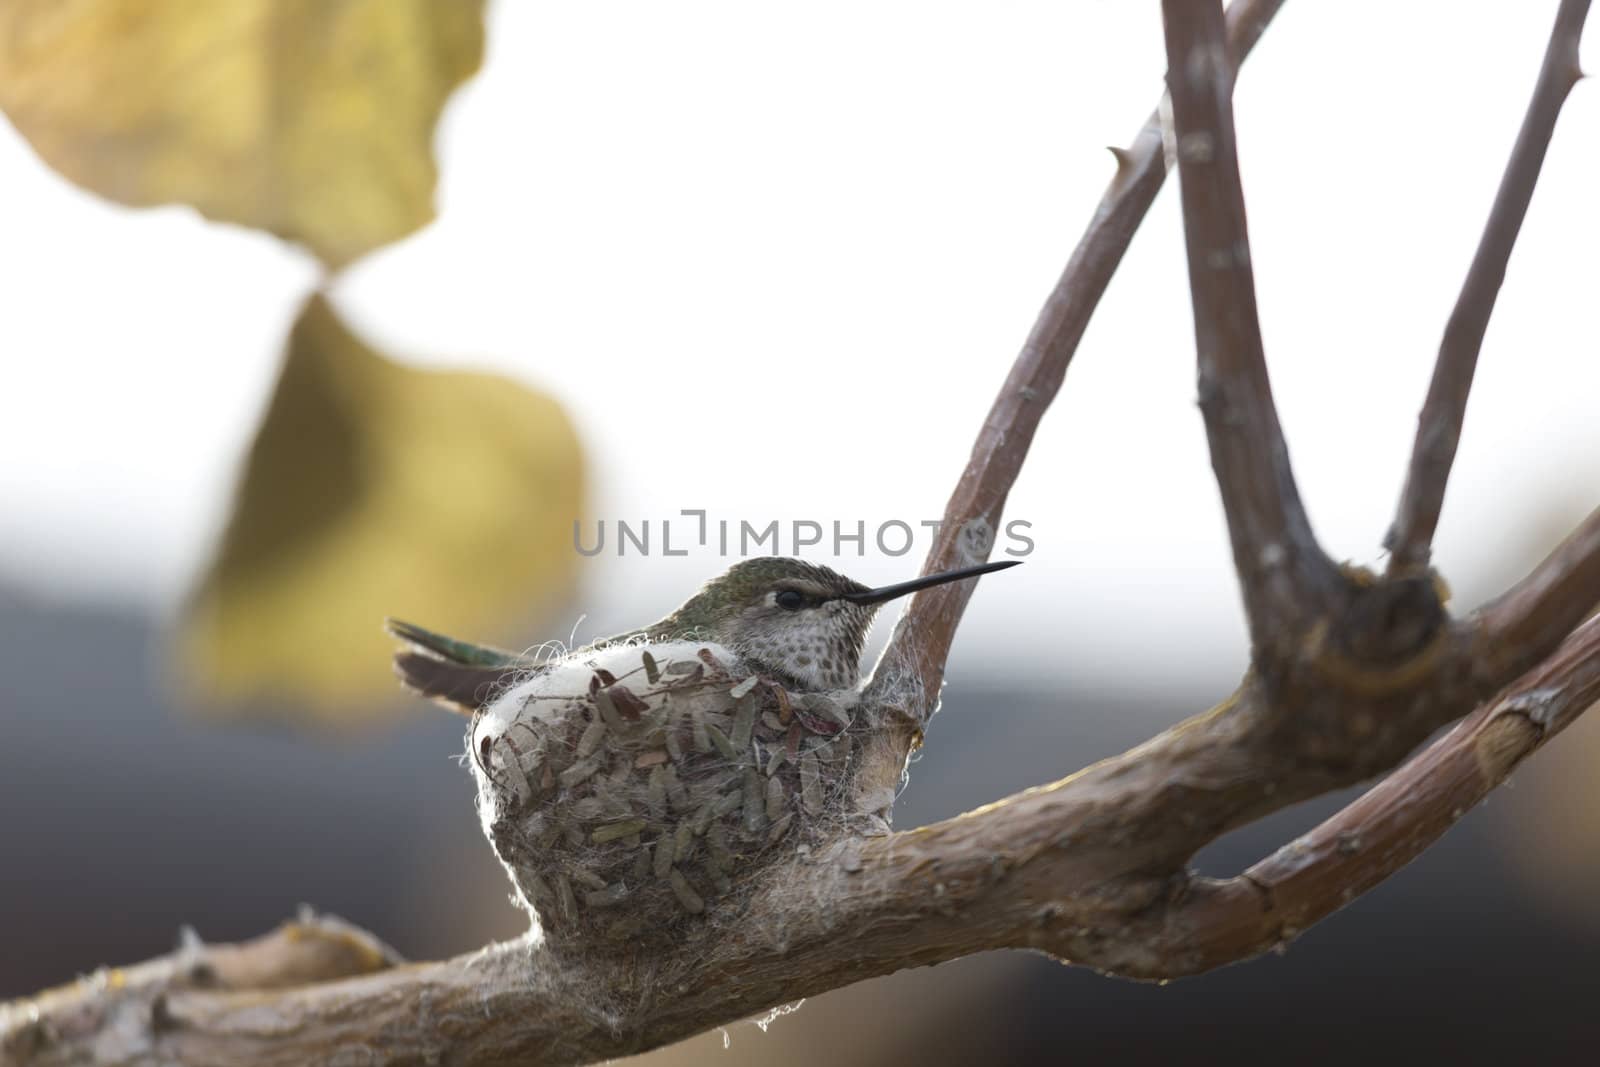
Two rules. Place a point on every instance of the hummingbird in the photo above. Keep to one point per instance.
(629, 791)
(797, 623)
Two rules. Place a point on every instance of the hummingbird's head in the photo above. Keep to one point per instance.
(799, 622)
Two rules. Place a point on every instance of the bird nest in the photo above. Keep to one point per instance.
(631, 791)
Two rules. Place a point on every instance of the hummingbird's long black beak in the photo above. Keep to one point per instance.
(890, 592)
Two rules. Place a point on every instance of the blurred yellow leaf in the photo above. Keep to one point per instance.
(374, 489)
(309, 118)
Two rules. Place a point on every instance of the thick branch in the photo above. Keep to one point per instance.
(917, 651)
(1286, 579)
(1062, 869)
(1410, 539)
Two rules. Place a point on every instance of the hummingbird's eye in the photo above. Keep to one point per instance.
(790, 599)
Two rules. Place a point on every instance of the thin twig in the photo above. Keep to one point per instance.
(921, 641)
(1410, 538)
(1521, 626)
(1287, 580)
(1386, 828)
(307, 950)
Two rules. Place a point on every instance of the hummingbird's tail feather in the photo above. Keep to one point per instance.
(463, 652)
(460, 675)
(462, 687)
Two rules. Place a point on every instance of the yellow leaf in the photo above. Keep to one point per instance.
(374, 489)
(312, 119)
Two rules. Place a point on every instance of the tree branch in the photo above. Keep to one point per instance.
(1286, 578)
(1410, 538)
(132, 1003)
(1065, 869)
(1312, 877)
(1522, 625)
(920, 644)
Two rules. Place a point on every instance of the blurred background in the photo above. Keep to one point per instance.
(316, 313)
